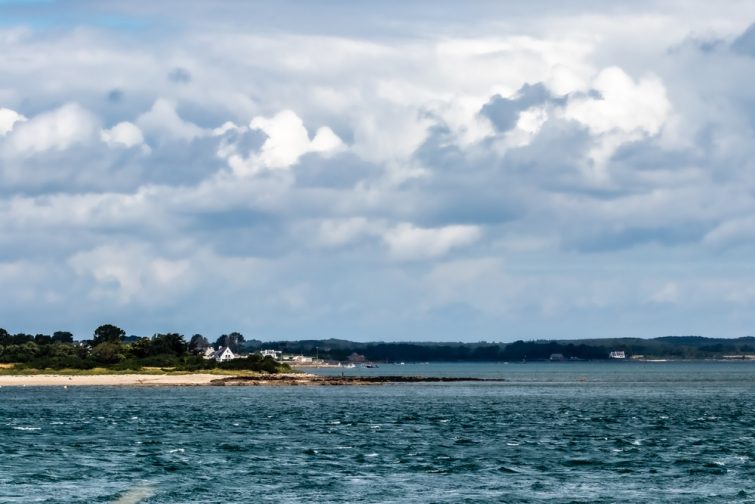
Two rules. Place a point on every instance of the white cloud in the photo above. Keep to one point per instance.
(58, 129)
(8, 118)
(124, 134)
(163, 121)
(287, 141)
(623, 105)
(625, 111)
(408, 242)
(127, 273)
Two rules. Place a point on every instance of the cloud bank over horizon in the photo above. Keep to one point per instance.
(338, 169)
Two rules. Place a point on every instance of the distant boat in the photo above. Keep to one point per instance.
(370, 366)
(350, 366)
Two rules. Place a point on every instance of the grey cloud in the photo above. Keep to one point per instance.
(504, 112)
(115, 95)
(179, 75)
(745, 43)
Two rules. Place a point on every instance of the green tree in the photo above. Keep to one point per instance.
(232, 341)
(109, 352)
(108, 333)
(170, 343)
(198, 344)
(42, 339)
(62, 337)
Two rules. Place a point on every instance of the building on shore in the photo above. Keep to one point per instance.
(275, 354)
(222, 354)
(617, 354)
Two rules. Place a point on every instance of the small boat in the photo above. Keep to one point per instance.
(350, 366)
(370, 366)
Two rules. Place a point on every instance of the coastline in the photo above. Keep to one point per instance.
(108, 380)
(205, 379)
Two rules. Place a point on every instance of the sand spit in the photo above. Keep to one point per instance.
(107, 380)
(198, 379)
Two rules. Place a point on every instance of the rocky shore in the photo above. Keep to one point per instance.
(310, 379)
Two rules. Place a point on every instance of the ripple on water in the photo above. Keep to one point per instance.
(597, 441)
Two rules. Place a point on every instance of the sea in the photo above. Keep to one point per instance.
(566, 432)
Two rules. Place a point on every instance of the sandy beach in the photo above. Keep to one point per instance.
(199, 379)
(136, 380)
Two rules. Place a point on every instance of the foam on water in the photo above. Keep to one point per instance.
(136, 495)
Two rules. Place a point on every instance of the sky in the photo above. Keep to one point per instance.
(426, 171)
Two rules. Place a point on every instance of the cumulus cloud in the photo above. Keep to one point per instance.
(123, 134)
(287, 141)
(368, 179)
(623, 110)
(58, 129)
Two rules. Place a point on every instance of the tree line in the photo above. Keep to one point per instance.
(673, 347)
(109, 347)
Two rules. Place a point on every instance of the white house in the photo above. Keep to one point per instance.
(209, 353)
(275, 354)
(617, 354)
(223, 354)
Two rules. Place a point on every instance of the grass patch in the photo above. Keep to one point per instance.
(12, 369)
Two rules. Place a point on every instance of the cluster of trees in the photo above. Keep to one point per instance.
(111, 348)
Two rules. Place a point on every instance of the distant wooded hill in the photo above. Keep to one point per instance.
(669, 347)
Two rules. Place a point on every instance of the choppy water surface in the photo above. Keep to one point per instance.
(674, 432)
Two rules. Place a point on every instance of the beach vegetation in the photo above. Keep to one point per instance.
(111, 349)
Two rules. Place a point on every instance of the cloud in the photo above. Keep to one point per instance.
(123, 134)
(624, 111)
(287, 141)
(179, 75)
(8, 118)
(163, 122)
(407, 242)
(121, 273)
(506, 112)
(338, 232)
(371, 179)
(58, 129)
(622, 104)
(668, 294)
(745, 43)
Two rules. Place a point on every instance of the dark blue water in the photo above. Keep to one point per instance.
(554, 433)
